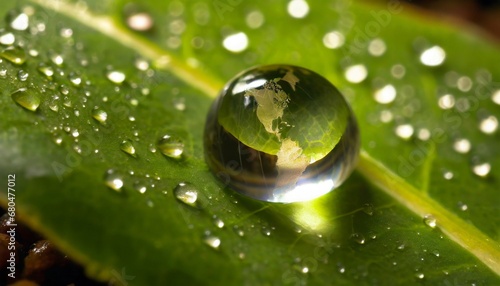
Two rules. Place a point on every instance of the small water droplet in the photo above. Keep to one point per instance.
(113, 180)
(404, 131)
(14, 54)
(116, 77)
(128, 147)
(140, 21)
(186, 193)
(46, 70)
(341, 269)
(464, 83)
(66, 32)
(22, 75)
(26, 98)
(218, 222)
(420, 275)
(462, 146)
(358, 238)
(448, 175)
(171, 146)
(140, 187)
(99, 115)
(57, 59)
(481, 169)
(7, 39)
(75, 79)
(298, 8)
(377, 47)
(463, 207)
(212, 240)
(356, 73)
(141, 64)
(3, 73)
(435, 253)
(75, 133)
(368, 209)
(266, 231)
(180, 103)
(433, 56)
(424, 134)
(241, 255)
(401, 247)
(386, 116)
(333, 40)
(446, 101)
(386, 94)
(18, 21)
(489, 125)
(236, 43)
(238, 231)
(430, 220)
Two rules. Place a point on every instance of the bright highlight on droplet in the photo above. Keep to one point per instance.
(333, 40)
(20, 22)
(236, 43)
(489, 125)
(386, 94)
(482, 170)
(140, 22)
(462, 146)
(433, 56)
(404, 131)
(446, 101)
(298, 8)
(377, 47)
(116, 76)
(356, 73)
(7, 39)
(430, 221)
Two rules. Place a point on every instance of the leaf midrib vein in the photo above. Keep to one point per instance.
(463, 233)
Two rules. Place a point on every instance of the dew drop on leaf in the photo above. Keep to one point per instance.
(140, 21)
(386, 94)
(22, 75)
(281, 134)
(171, 146)
(481, 169)
(46, 70)
(266, 231)
(14, 54)
(186, 193)
(358, 238)
(496, 97)
(446, 101)
(212, 240)
(254, 19)
(116, 77)
(99, 115)
(140, 187)
(333, 40)
(462, 145)
(57, 59)
(218, 222)
(404, 131)
(26, 98)
(356, 73)
(18, 21)
(7, 39)
(113, 180)
(398, 71)
(298, 8)
(377, 47)
(238, 231)
(75, 79)
(368, 209)
(128, 147)
(430, 221)
(420, 275)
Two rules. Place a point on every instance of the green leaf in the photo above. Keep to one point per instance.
(369, 231)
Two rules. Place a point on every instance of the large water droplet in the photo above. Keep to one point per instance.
(276, 161)
(18, 21)
(27, 98)
(186, 193)
(113, 180)
(14, 54)
(171, 146)
(128, 147)
(433, 56)
(430, 220)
